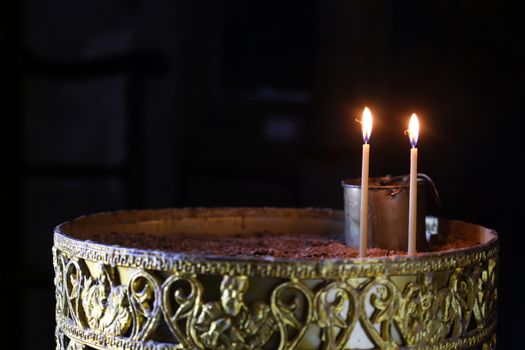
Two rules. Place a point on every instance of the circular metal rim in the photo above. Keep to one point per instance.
(263, 267)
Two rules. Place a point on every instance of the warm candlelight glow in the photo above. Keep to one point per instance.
(413, 133)
(413, 129)
(367, 124)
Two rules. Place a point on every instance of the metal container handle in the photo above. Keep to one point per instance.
(434, 190)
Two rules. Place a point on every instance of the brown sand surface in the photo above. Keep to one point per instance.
(261, 244)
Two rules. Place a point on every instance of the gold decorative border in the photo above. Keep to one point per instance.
(475, 338)
(448, 309)
(303, 269)
(111, 297)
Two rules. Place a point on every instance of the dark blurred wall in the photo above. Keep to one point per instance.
(140, 104)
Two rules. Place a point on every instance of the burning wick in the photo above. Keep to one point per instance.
(366, 124)
(413, 134)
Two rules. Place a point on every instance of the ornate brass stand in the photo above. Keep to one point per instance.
(111, 297)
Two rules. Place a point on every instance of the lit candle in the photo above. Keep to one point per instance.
(363, 223)
(413, 133)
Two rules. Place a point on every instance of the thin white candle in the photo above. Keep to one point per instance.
(363, 223)
(413, 133)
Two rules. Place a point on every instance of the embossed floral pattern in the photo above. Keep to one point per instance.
(421, 314)
(105, 305)
(438, 305)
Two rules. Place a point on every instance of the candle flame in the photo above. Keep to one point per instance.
(367, 124)
(413, 129)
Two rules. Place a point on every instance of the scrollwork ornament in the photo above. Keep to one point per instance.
(145, 298)
(287, 310)
(74, 274)
(336, 310)
(384, 297)
(179, 308)
(422, 314)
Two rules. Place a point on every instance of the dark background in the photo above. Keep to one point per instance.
(142, 104)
